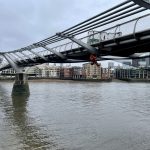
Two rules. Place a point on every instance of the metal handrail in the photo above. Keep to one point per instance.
(116, 26)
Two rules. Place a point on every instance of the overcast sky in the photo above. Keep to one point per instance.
(23, 22)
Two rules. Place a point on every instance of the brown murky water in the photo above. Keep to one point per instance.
(76, 116)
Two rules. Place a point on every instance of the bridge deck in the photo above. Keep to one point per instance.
(122, 46)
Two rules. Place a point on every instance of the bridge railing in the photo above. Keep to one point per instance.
(129, 27)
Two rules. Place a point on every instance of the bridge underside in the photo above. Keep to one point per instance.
(124, 46)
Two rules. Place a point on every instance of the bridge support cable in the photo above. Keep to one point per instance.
(12, 63)
(27, 56)
(112, 14)
(49, 41)
(55, 52)
(96, 16)
(108, 13)
(100, 24)
(110, 18)
(88, 20)
(90, 49)
(39, 55)
(104, 19)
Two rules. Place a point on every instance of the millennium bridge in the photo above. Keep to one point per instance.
(121, 32)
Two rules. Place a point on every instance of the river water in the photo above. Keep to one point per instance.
(76, 116)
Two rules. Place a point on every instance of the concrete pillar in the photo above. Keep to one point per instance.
(21, 84)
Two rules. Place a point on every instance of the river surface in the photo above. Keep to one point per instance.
(76, 116)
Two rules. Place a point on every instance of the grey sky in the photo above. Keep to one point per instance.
(23, 22)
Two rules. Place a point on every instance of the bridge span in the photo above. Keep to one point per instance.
(121, 31)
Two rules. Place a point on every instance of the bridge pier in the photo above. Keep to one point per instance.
(21, 85)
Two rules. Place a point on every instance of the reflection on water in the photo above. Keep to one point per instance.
(76, 116)
(29, 135)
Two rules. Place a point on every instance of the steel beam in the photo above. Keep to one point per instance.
(55, 52)
(90, 49)
(37, 54)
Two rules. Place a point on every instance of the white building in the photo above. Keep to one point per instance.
(44, 70)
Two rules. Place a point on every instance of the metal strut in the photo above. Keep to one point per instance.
(90, 49)
(51, 50)
(12, 63)
(55, 52)
(37, 54)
